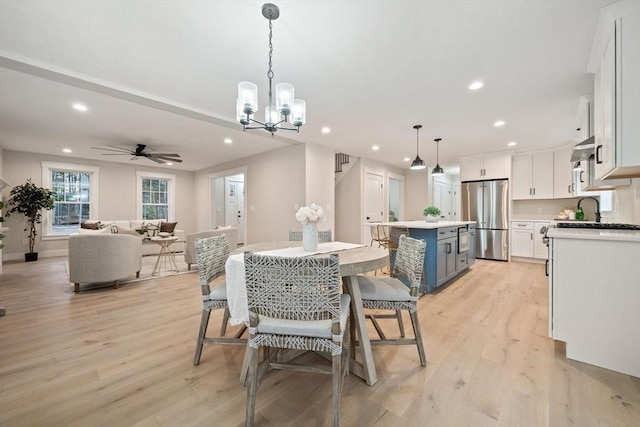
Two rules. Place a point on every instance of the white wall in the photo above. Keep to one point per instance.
(275, 181)
(117, 196)
(627, 204)
(416, 194)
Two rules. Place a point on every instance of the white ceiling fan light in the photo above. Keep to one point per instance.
(499, 123)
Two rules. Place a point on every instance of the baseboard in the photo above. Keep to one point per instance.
(41, 254)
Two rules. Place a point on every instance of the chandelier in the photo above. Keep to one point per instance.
(285, 110)
(417, 163)
(437, 170)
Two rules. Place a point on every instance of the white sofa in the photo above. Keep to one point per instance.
(190, 249)
(130, 226)
(96, 258)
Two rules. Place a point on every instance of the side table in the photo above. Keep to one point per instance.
(166, 259)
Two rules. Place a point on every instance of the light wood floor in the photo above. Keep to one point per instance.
(123, 357)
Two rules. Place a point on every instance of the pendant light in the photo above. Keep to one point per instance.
(285, 110)
(418, 163)
(437, 170)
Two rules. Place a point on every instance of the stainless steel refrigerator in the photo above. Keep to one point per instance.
(487, 203)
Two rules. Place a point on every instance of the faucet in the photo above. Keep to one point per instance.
(597, 206)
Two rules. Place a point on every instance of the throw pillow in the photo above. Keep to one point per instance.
(167, 227)
(90, 225)
(125, 230)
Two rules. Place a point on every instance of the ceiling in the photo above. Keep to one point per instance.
(165, 74)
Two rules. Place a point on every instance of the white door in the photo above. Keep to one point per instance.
(455, 203)
(234, 206)
(373, 202)
(442, 198)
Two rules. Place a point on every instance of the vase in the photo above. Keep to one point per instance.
(430, 218)
(310, 237)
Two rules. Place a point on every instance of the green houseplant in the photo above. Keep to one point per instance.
(432, 213)
(29, 199)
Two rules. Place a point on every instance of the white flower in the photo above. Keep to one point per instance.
(307, 214)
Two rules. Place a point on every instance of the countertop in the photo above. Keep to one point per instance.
(594, 234)
(426, 225)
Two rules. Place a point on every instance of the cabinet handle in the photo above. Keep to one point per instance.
(448, 248)
(598, 151)
(530, 191)
(546, 268)
(569, 188)
(581, 180)
(531, 236)
(534, 191)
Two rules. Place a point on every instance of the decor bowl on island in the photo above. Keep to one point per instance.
(431, 213)
(164, 234)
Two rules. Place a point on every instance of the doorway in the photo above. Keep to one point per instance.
(228, 202)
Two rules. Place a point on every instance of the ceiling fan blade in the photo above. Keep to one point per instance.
(119, 150)
(153, 159)
(116, 154)
(163, 154)
(165, 159)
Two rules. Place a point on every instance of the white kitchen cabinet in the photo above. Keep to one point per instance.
(615, 60)
(540, 250)
(563, 174)
(594, 306)
(526, 239)
(485, 166)
(533, 176)
(522, 239)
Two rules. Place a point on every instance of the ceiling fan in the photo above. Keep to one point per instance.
(139, 151)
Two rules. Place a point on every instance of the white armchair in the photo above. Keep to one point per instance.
(190, 249)
(95, 258)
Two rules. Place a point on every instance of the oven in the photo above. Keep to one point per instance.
(463, 240)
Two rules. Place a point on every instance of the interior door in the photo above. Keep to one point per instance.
(442, 198)
(234, 205)
(374, 206)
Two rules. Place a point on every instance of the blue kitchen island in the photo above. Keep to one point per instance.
(450, 249)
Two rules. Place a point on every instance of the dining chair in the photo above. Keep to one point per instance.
(390, 293)
(325, 236)
(211, 256)
(375, 230)
(295, 303)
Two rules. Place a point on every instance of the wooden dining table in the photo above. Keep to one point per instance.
(354, 260)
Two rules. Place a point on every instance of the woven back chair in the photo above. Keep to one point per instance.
(389, 293)
(211, 256)
(295, 303)
(323, 236)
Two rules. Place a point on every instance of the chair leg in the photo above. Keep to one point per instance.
(244, 371)
(252, 389)
(76, 287)
(336, 373)
(225, 321)
(400, 322)
(204, 322)
(116, 284)
(418, 335)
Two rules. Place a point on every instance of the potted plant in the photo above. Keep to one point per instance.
(29, 200)
(431, 213)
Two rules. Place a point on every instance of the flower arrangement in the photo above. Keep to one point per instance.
(307, 214)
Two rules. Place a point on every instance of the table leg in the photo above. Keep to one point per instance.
(155, 267)
(367, 369)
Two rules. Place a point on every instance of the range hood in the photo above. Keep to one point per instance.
(583, 150)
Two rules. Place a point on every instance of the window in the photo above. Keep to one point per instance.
(156, 196)
(75, 192)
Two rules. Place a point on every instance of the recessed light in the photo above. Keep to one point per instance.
(169, 164)
(66, 150)
(476, 85)
(375, 148)
(326, 129)
(499, 123)
(406, 159)
(80, 107)
(512, 143)
(228, 140)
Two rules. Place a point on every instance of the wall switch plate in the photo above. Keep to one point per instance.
(539, 210)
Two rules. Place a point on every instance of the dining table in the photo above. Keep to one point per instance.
(354, 259)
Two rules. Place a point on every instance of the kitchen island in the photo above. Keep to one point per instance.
(594, 296)
(450, 249)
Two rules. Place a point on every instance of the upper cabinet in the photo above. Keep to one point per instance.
(615, 60)
(533, 176)
(485, 166)
(563, 174)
